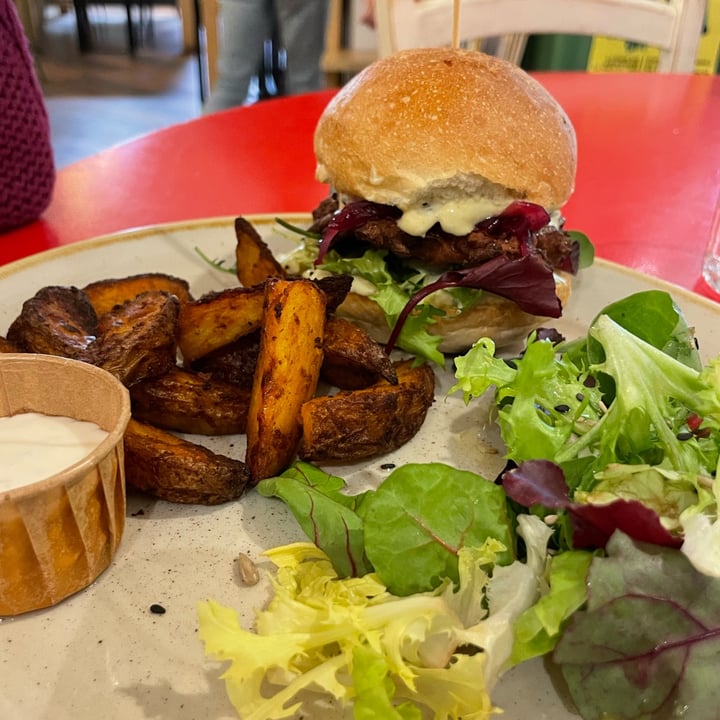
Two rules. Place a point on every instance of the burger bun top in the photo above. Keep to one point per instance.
(433, 127)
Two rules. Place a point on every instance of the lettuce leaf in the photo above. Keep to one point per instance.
(326, 514)
(613, 397)
(540, 482)
(409, 531)
(538, 629)
(648, 642)
(392, 294)
(627, 415)
(513, 589)
(423, 514)
(322, 634)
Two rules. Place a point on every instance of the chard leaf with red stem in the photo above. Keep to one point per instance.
(528, 281)
(541, 482)
(646, 647)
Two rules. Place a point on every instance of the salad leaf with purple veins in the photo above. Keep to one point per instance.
(647, 645)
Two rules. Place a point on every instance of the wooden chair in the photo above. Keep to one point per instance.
(31, 17)
(84, 29)
(135, 29)
(673, 26)
(339, 59)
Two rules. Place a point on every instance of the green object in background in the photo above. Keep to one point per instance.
(557, 52)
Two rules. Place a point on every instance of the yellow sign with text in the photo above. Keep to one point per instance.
(612, 55)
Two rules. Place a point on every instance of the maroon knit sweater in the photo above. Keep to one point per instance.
(27, 171)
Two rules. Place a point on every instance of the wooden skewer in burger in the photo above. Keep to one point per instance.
(448, 170)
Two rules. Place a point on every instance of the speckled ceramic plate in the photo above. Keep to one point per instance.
(103, 653)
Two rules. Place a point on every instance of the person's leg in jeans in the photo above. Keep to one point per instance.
(302, 26)
(245, 26)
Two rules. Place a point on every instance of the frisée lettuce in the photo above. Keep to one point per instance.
(351, 640)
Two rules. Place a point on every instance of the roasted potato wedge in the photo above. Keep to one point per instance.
(255, 263)
(174, 469)
(254, 260)
(336, 289)
(57, 320)
(218, 319)
(286, 375)
(138, 339)
(106, 294)
(352, 359)
(191, 402)
(359, 424)
(7, 347)
(234, 363)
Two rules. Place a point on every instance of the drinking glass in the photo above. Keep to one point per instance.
(711, 261)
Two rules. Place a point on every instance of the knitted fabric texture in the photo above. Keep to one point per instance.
(27, 171)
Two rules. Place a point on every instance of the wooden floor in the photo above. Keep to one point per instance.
(104, 97)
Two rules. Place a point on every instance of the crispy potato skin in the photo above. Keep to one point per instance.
(234, 363)
(7, 347)
(57, 320)
(106, 294)
(286, 375)
(255, 263)
(191, 402)
(218, 319)
(138, 339)
(359, 424)
(174, 469)
(246, 359)
(336, 289)
(352, 359)
(254, 260)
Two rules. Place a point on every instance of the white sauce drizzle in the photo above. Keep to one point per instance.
(457, 217)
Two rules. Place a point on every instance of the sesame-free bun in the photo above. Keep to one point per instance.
(436, 128)
(435, 123)
(494, 317)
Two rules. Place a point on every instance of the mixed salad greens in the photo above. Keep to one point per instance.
(412, 294)
(404, 602)
(598, 547)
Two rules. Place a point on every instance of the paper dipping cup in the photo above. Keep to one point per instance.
(59, 534)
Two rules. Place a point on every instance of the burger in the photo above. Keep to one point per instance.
(448, 169)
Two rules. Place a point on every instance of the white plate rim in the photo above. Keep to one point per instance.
(207, 686)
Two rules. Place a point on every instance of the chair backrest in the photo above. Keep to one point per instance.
(339, 59)
(673, 26)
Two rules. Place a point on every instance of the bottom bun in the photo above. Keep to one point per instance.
(494, 317)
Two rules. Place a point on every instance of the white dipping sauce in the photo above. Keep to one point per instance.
(34, 446)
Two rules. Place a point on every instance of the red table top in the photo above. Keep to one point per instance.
(647, 183)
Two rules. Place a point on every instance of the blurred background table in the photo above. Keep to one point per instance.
(647, 182)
